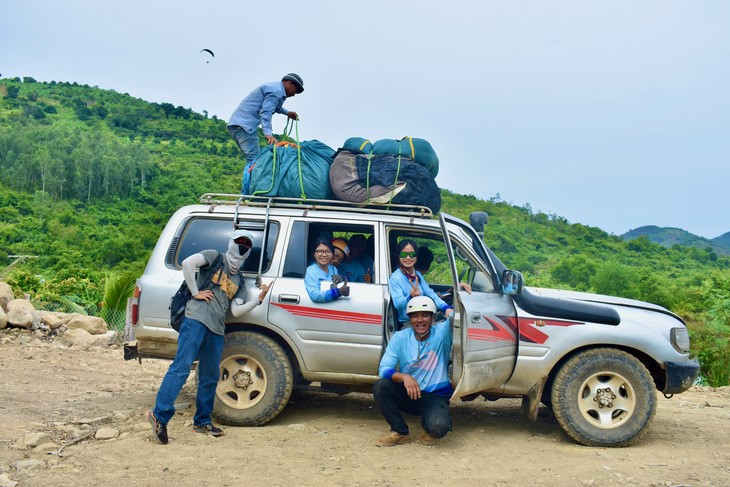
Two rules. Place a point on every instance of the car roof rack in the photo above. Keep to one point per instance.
(314, 204)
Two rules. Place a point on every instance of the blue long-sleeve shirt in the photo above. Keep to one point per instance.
(312, 283)
(259, 106)
(400, 291)
(427, 361)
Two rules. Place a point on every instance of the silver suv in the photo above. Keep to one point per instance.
(595, 360)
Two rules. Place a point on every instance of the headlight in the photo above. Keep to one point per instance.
(680, 339)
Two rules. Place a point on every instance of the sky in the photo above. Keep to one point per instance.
(613, 114)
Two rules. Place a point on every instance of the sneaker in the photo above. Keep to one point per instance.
(158, 429)
(208, 429)
(393, 438)
(427, 439)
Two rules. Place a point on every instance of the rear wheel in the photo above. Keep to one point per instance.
(604, 397)
(256, 380)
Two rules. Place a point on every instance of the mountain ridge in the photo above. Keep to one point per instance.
(670, 236)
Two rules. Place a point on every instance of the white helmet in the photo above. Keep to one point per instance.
(420, 303)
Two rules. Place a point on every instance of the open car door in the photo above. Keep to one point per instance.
(485, 321)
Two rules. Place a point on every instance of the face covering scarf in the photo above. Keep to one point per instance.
(234, 256)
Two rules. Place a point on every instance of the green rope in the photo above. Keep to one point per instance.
(299, 160)
(395, 183)
(287, 127)
(367, 179)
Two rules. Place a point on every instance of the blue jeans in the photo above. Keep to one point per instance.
(249, 145)
(392, 398)
(196, 341)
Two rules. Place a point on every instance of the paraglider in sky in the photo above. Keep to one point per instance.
(206, 55)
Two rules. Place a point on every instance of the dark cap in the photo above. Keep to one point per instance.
(296, 79)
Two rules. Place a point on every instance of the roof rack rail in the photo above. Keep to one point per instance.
(314, 204)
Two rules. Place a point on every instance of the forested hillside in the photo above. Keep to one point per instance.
(90, 176)
(668, 237)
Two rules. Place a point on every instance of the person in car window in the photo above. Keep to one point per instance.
(359, 253)
(406, 282)
(340, 251)
(350, 269)
(323, 270)
(415, 377)
(201, 333)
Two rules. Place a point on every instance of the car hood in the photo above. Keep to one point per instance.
(597, 298)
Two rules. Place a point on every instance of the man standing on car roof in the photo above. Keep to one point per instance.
(415, 377)
(202, 333)
(257, 109)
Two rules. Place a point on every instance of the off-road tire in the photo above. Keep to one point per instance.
(604, 397)
(256, 380)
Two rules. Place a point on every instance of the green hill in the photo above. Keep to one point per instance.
(90, 176)
(723, 240)
(668, 236)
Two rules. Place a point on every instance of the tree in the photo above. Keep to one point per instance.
(575, 271)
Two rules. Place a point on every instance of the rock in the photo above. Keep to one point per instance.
(22, 314)
(64, 318)
(91, 324)
(106, 433)
(6, 294)
(79, 338)
(28, 464)
(32, 440)
(141, 427)
(100, 419)
(70, 431)
(3, 319)
(46, 448)
(49, 319)
(6, 482)
(106, 337)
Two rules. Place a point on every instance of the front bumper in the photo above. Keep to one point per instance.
(680, 376)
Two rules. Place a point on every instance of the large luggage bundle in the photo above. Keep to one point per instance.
(364, 179)
(293, 172)
(418, 150)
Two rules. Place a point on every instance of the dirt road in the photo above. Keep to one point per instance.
(72, 396)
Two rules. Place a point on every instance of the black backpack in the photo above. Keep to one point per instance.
(182, 296)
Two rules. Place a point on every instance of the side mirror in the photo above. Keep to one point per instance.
(511, 282)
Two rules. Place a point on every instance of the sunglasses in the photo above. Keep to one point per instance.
(404, 255)
(245, 241)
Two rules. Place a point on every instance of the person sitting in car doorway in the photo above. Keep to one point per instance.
(406, 282)
(415, 378)
(322, 270)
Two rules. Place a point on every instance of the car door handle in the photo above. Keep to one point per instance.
(476, 317)
(289, 298)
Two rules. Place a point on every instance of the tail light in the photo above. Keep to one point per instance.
(135, 304)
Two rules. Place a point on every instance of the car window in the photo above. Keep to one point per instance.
(303, 234)
(470, 269)
(199, 234)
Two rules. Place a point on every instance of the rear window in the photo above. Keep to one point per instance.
(198, 234)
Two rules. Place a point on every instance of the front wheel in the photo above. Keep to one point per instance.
(604, 397)
(256, 380)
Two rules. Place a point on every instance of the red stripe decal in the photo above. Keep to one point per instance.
(530, 333)
(331, 314)
(498, 333)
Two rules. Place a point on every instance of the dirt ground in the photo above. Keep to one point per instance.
(319, 439)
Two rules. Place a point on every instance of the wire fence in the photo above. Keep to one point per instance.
(114, 318)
